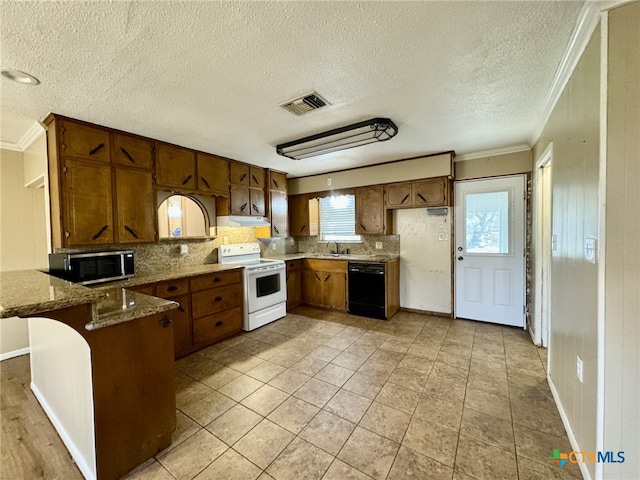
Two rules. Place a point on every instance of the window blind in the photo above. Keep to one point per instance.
(337, 218)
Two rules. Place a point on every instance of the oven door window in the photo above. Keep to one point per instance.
(267, 285)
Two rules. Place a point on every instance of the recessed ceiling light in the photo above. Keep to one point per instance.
(20, 77)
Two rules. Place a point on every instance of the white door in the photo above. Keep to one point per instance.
(489, 250)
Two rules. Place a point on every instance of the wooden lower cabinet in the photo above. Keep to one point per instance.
(210, 308)
(294, 283)
(324, 283)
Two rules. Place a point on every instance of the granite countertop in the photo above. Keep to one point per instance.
(27, 293)
(381, 258)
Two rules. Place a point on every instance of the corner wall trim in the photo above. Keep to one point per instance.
(523, 147)
(14, 353)
(35, 131)
(567, 426)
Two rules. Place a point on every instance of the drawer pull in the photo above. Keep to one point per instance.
(219, 323)
(327, 278)
(317, 277)
(165, 321)
(216, 280)
(217, 299)
(303, 227)
(171, 288)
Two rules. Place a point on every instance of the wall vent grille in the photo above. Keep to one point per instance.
(305, 104)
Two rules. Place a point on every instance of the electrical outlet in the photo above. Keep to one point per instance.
(378, 245)
(579, 367)
(184, 249)
(554, 242)
(590, 245)
(273, 245)
(442, 236)
(329, 181)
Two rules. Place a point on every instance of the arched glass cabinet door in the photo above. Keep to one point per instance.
(180, 216)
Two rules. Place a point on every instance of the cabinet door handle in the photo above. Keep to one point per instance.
(275, 183)
(216, 280)
(302, 229)
(275, 229)
(181, 309)
(187, 179)
(362, 226)
(127, 154)
(328, 276)
(217, 299)
(243, 176)
(219, 323)
(287, 276)
(97, 149)
(317, 276)
(422, 198)
(171, 288)
(253, 177)
(100, 232)
(254, 207)
(204, 180)
(404, 199)
(130, 230)
(165, 321)
(243, 207)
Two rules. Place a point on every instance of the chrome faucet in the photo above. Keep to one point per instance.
(336, 251)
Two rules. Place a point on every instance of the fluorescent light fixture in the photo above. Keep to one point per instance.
(343, 138)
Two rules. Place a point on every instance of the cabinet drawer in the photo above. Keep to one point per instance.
(146, 289)
(293, 264)
(215, 300)
(215, 327)
(171, 289)
(214, 280)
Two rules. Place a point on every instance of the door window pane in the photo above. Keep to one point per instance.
(487, 222)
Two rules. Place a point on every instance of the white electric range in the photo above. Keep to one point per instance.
(265, 283)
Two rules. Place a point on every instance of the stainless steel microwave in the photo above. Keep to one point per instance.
(93, 267)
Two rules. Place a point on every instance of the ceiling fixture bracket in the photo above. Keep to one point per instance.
(361, 133)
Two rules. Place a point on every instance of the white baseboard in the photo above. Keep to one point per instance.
(88, 472)
(567, 426)
(14, 353)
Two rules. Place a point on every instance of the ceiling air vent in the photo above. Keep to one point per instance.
(306, 103)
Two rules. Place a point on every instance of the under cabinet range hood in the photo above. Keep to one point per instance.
(242, 221)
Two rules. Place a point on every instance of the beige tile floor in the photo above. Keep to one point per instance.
(326, 395)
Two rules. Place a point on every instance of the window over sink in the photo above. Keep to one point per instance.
(338, 218)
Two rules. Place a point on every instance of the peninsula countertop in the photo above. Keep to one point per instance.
(27, 293)
(380, 258)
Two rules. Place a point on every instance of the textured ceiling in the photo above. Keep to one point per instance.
(463, 76)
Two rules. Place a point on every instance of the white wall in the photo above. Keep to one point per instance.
(61, 381)
(574, 130)
(425, 261)
(622, 244)
(23, 228)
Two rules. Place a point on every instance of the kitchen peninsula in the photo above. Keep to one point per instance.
(101, 366)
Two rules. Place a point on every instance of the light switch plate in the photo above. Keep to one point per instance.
(184, 249)
(590, 246)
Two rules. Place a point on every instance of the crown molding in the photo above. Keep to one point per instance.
(34, 132)
(586, 24)
(493, 152)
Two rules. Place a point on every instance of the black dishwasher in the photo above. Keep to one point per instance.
(367, 289)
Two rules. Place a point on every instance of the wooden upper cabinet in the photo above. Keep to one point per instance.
(213, 175)
(299, 224)
(87, 202)
(256, 177)
(175, 167)
(256, 196)
(239, 200)
(371, 214)
(239, 173)
(278, 213)
(82, 141)
(135, 206)
(432, 192)
(277, 181)
(398, 195)
(132, 151)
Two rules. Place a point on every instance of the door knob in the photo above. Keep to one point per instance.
(459, 249)
(461, 258)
